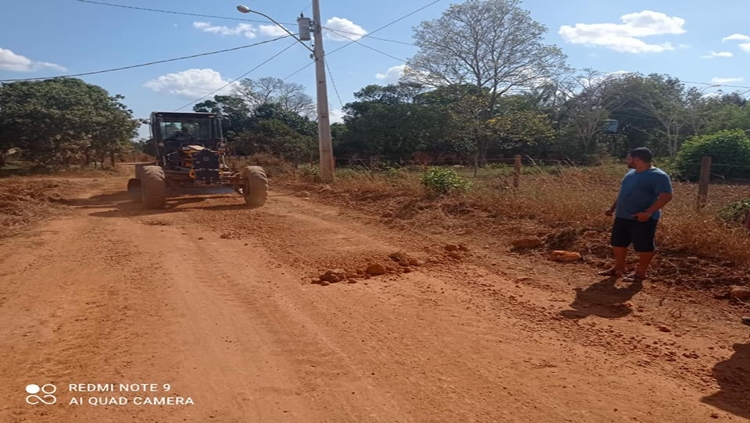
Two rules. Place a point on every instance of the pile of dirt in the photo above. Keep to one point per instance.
(396, 263)
(26, 201)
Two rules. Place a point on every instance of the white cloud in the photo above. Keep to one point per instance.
(392, 75)
(192, 83)
(736, 37)
(719, 54)
(17, 63)
(272, 31)
(626, 37)
(745, 47)
(721, 81)
(336, 116)
(241, 29)
(346, 30)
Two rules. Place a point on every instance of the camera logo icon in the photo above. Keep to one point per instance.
(47, 396)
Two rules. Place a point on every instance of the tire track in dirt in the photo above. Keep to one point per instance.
(253, 348)
(69, 306)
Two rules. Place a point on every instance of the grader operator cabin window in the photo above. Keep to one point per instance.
(196, 129)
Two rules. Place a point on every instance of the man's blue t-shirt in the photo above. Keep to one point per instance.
(639, 191)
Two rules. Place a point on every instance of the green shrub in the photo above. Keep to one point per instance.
(729, 151)
(443, 180)
(736, 212)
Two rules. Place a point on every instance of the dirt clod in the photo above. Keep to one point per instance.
(455, 255)
(565, 256)
(333, 276)
(741, 293)
(526, 243)
(401, 257)
(452, 247)
(376, 269)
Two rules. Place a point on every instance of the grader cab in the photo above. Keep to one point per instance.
(191, 158)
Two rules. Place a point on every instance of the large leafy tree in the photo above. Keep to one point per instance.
(392, 122)
(61, 121)
(493, 45)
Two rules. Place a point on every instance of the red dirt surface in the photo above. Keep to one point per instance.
(217, 301)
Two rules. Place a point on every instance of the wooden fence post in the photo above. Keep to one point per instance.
(517, 171)
(705, 178)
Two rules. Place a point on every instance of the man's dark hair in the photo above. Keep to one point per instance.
(642, 153)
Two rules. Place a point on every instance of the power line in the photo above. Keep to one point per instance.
(333, 82)
(200, 15)
(369, 35)
(366, 46)
(146, 64)
(239, 77)
(709, 84)
(172, 12)
(341, 31)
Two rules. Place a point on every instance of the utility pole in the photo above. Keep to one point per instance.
(325, 145)
(324, 120)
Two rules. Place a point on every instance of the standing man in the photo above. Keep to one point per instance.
(645, 189)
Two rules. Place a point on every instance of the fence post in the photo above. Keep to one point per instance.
(517, 171)
(705, 178)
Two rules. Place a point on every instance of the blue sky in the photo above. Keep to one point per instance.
(686, 39)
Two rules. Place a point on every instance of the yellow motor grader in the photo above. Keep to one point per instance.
(191, 158)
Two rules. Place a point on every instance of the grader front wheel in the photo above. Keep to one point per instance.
(254, 186)
(153, 187)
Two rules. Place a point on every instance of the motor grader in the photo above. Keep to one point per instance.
(191, 158)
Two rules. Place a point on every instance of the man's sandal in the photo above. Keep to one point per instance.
(611, 272)
(634, 277)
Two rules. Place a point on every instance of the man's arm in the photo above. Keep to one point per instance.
(662, 201)
(664, 188)
(611, 210)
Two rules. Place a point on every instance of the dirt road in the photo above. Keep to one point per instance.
(216, 301)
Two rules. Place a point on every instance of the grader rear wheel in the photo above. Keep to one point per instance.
(254, 186)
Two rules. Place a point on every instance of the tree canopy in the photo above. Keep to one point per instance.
(483, 85)
(63, 121)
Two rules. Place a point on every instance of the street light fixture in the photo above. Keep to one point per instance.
(244, 9)
(324, 122)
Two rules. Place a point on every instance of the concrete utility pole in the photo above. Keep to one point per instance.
(324, 120)
(325, 144)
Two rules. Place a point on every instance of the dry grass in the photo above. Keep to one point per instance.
(27, 201)
(566, 205)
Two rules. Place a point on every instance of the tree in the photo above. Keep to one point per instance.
(60, 121)
(493, 45)
(729, 150)
(590, 99)
(389, 121)
(269, 90)
(665, 102)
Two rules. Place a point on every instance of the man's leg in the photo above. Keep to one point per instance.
(644, 260)
(620, 241)
(621, 253)
(643, 235)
